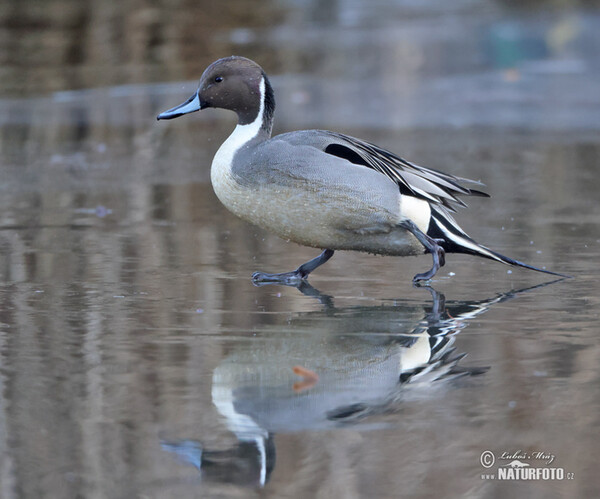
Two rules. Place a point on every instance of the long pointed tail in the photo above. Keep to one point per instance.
(516, 263)
(454, 240)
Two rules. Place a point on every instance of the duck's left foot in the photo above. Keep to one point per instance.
(294, 278)
(431, 245)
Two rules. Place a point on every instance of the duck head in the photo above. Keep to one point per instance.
(234, 83)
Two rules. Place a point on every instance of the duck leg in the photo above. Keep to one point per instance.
(431, 245)
(295, 277)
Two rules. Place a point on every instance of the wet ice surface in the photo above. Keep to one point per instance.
(137, 358)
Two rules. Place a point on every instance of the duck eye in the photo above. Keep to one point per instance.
(218, 79)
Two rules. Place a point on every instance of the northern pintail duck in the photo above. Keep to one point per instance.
(324, 189)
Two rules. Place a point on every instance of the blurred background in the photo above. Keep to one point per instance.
(125, 295)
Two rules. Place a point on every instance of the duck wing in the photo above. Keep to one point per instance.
(436, 187)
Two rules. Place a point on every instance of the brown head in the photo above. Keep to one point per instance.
(233, 83)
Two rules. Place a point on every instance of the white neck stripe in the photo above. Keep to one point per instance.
(251, 129)
(240, 136)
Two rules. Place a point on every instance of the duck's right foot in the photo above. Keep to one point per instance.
(295, 277)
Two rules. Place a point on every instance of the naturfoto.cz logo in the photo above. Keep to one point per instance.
(514, 467)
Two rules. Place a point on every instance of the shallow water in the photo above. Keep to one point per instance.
(138, 360)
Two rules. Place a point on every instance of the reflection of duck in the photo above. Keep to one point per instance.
(367, 354)
(359, 361)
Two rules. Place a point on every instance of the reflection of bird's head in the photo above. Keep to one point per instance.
(248, 463)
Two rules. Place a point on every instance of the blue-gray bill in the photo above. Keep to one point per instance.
(189, 106)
